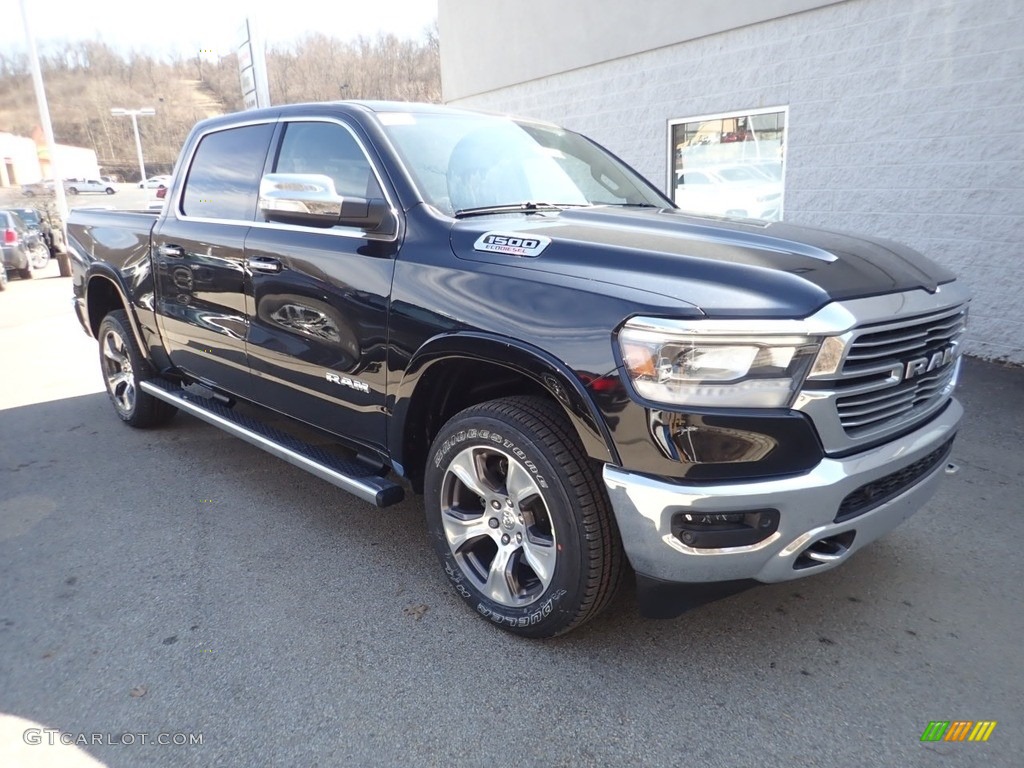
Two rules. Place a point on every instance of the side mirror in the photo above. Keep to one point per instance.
(311, 199)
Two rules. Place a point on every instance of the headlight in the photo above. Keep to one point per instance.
(686, 367)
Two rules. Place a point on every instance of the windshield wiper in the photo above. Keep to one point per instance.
(634, 205)
(527, 207)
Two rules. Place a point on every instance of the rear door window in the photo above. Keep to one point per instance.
(224, 177)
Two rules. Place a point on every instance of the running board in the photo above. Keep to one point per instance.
(349, 475)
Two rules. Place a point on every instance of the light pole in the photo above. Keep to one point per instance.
(134, 114)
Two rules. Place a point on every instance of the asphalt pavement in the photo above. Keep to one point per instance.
(180, 586)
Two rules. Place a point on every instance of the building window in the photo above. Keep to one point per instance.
(729, 165)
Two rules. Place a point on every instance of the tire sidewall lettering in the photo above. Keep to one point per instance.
(534, 617)
(508, 445)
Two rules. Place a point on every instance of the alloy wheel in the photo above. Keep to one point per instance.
(117, 370)
(498, 526)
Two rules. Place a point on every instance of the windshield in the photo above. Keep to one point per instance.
(461, 162)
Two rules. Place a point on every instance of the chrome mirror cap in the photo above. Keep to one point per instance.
(310, 197)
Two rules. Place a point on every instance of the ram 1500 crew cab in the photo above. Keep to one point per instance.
(503, 316)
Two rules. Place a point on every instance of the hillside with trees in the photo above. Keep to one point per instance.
(86, 79)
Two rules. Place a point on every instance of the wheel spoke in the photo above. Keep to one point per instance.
(128, 398)
(465, 468)
(117, 379)
(459, 531)
(541, 559)
(110, 351)
(519, 484)
(498, 586)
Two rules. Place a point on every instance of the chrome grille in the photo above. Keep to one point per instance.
(872, 393)
(860, 393)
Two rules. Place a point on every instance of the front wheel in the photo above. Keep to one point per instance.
(110, 190)
(123, 367)
(519, 518)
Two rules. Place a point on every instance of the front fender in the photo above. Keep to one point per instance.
(539, 366)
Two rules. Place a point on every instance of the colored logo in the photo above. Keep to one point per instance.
(958, 730)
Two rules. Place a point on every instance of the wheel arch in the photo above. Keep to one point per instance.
(455, 371)
(104, 293)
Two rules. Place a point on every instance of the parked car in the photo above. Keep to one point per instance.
(44, 187)
(155, 182)
(734, 191)
(77, 186)
(38, 223)
(22, 246)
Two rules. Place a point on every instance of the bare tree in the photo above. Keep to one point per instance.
(85, 79)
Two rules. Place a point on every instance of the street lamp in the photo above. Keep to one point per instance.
(134, 114)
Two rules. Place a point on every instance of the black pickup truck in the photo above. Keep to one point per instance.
(503, 316)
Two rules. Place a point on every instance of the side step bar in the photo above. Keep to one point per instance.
(349, 475)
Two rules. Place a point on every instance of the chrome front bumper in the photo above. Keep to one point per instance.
(807, 504)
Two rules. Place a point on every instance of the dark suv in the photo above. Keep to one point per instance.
(22, 246)
(37, 222)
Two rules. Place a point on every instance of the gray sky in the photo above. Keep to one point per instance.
(188, 26)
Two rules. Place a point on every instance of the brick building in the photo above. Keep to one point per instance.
(899, 118)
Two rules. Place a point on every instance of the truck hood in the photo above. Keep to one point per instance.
(727, 268)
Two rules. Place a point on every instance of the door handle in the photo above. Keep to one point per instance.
(263, 264)
(171, 251)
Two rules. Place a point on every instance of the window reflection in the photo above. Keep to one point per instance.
(730, 165)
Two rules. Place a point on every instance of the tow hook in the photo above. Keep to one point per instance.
(951, 468)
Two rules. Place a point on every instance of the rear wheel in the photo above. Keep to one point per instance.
(72, 190)
(3, 278)
(26, 272)
(519, 518)
(123, 367)
(110, 190)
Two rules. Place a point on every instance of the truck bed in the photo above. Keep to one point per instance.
(116, 237)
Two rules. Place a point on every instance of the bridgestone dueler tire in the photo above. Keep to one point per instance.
(146, 410)
(586, 545)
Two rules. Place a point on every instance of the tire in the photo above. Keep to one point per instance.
(539, 566)
(72, 191)
(40, 257)
(3, 278)
(123, 367)
(110, 190)
(26, 273)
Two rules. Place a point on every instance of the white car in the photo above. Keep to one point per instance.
(76, 186)
(155, 182)
(735, 191)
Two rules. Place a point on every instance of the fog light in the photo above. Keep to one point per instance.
(717, 530)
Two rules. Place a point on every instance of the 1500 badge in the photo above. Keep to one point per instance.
(512, 243)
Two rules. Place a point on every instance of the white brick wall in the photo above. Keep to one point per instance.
(906, 120)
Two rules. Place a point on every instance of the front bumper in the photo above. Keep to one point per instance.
(804, 542)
